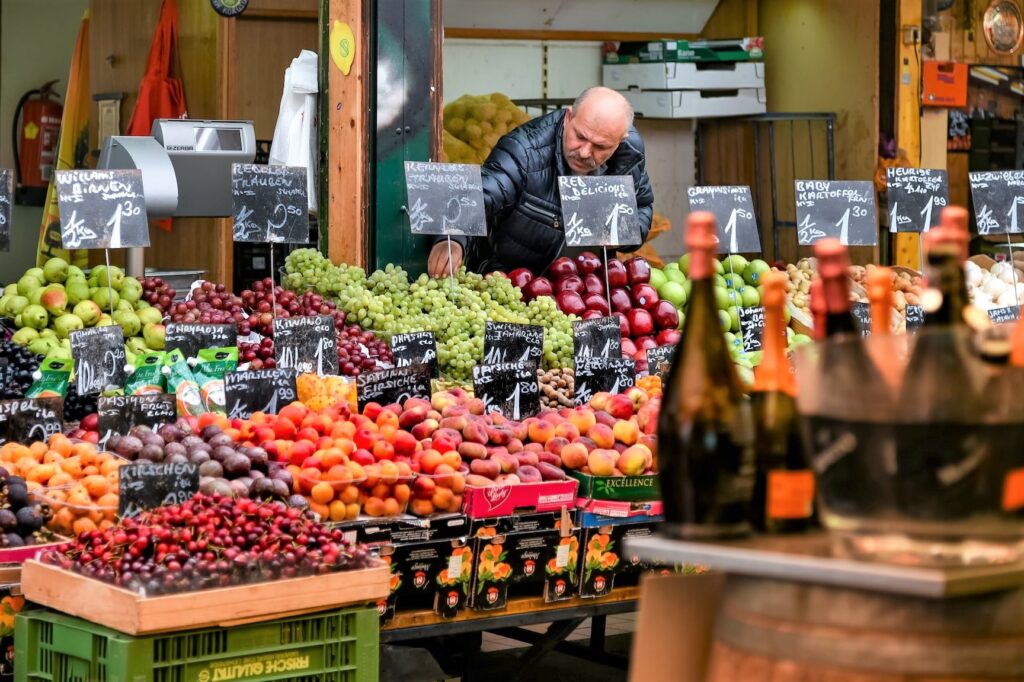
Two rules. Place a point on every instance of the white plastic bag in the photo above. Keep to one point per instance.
(295, 138)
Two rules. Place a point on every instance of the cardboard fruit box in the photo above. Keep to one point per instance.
(133, 614)
(505, 500)
(433, 574)
(629, 488)
(602, 557)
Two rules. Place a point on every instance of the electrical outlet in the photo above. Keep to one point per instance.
(911, 35)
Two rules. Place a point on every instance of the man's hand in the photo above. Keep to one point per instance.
(437, 262)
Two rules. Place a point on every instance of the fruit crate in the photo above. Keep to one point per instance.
(641, 488)
(336, 646)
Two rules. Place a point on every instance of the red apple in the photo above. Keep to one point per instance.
(571, 283)
(668, 337)
(562, 267)
(520, 277)
(623, 324)
(644, 296)
(538, 286)
(638, 270)
(588, 262)
(593, 284)
(596, 302)
(570, 303)
(621, 302)
(645, 343)
(640, 322)
(628, 348)
(665, 315)
(592, 314)
(617, 273)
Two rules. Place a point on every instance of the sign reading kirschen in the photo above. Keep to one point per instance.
(102, 209)
(997, 196)
(599, 210)
(841, 209)
(734, 212)
(269, 204)
(916, 198)
(445, 198)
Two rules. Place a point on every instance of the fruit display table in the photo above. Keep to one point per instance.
(564, 617)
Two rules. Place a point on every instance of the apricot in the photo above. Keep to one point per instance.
(337, 511)
(392, 507)
(96, 485)
(374, 506)
(402, 493)
(422, 507)
(351, 511)
(83, 525)
(323, 511)
(37, 450)
(322, 492)
(349, 494)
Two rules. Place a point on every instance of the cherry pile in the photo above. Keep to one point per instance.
(211, 304)
(360, 350)
(260, 302)
(157, 293)
(16, 373)
(207, 542)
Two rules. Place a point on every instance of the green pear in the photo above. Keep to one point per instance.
(37, 273)
(59, 353)
(55, 270)
(154, 334)
(11, 289)
(25, 336)
(131, 289)
(124, 305)
(78, 291)
(36, 295)
(67, 323)
(35, 316)
(105, 321)
(150, 315)
(54, 299)
(29, 283)
(129, 322)
(75, 271)
(48, 334)
(98, 274)
(16, 305)
(142, 305)
(43, 346)
(137, 345)
(4, 300)
(116, 277)
(89, 312)
(106, 298)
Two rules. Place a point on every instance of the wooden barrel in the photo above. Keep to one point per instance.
(774, 631)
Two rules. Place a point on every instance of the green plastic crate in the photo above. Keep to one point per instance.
(335, 646)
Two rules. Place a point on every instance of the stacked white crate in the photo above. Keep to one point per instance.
(690, 89)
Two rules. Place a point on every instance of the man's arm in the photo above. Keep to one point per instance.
(644, 198)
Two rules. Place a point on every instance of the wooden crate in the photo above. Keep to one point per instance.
(133, 614)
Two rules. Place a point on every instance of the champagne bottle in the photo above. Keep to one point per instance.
(784, 486)
(880, 297)
(942, 451)
(705, 429)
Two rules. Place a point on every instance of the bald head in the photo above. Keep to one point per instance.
(597, 123)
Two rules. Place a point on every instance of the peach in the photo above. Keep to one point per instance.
(422, 507)
(533, 447)
(626, 431)
(527, 458)
(541, 431)
(552, 417)
(447, 439)
(455, 423)
(423, 488)
(574, 455)
(508, 479)
(588, 443)
(582, 418)
(601, 462)
(620, 406)
(413, 403)
(478, 481)
(550, 472)
(425, 429)
(529, 474)
(634, 460)
(475, 406)
(412, 416)
(550, 458)
(602, 435)
(567, 430)
(651, 441)
(600, 400)
(606, 418)
(637, 396)
(405, 443)
(430, 461)
(499, 435)
(476, 432)
(520, 431)
(555, 445)
(485, 467)
(509, 464)
(454, 411)
(471, 450)
(439, 401)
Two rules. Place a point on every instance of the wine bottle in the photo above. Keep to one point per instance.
(784, 485)
(941, 448)
(880, 297)
(846, 442)
(705, 428)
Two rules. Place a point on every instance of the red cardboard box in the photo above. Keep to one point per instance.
(505, 500)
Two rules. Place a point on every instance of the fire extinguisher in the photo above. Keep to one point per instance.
(34, 140)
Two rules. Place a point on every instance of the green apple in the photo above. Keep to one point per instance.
(754, 270)
(675, 275)
(674, 292)
(721, 297)
(719, 268)
(734, 317)
(735, 263)
(734, 298)
(733, 281)
(671, 265)
(719, 280)
(657, 279)
(725, 318)
(749, 297)
(684, 263)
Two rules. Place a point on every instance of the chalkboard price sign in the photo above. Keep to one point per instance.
(118, 414)
(509, 342)
(258, 390)
(916, 197)
(733, 209)
(148, 485)
(752, 327)
(997, 198)
(6, 196)
(269, 204)
(659, 360)
(597, 338)
(102, 209)
(99, 358)
(445, 198)
(191, 338)
(307, 344)
(613, 375)
(1004, 315)
(915, 317)
(25, 421)
(844, 210)
(862, 317)
(394, 385)
(599, 210)
(510, 388)
(415, 348)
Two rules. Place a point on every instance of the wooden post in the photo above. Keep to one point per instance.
(348, 129)
(908, 110)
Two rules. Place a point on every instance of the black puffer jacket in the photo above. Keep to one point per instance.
(520, 183)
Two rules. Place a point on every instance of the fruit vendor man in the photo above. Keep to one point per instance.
(520, 182)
